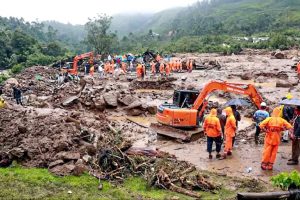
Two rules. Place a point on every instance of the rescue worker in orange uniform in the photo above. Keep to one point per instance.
(230, 129)
(212, 129)
(139, 70)
(168, 69)
(162, 68)
(273, 126)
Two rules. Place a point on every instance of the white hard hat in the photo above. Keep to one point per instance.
(263, 104)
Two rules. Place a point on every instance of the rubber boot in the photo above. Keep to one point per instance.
(270, 166)
(264, 166)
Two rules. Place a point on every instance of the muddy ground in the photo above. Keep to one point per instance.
(62, 124)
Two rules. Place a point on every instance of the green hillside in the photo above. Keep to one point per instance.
(217, 16)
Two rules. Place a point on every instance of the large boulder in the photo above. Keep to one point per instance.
(279, 55)
(126, 100)
(284, 84)
(100, 103)
(246, 76)
(111, 99)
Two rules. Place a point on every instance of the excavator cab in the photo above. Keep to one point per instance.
(185, 98)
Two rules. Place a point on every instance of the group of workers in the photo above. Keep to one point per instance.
(283, 118)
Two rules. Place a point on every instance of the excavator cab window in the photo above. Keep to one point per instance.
(185, 98)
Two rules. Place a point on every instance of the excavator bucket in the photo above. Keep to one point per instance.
(179, 134)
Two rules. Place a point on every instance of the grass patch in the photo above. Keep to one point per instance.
(23, 183)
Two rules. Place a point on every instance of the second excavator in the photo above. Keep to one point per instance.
(183, 117)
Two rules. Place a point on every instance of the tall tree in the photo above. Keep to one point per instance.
(98, 35)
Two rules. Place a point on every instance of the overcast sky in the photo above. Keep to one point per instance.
(78, 11)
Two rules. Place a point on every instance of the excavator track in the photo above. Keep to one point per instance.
(179, 134)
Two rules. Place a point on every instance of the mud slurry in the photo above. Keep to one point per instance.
(112, 114)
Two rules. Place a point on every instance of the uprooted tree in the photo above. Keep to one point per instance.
(98, 35)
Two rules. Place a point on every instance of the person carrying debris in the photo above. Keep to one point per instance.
(295, 137)
(259, 116)
(212, 129)
(230, 128)
(287, 113)
(17, 94)
(273, 126)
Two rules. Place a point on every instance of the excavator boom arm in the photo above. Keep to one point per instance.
(244, 89)
(81, 56)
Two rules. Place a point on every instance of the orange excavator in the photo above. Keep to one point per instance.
(182, 118)
(74, 70)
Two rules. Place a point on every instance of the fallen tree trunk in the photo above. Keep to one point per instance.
(268, 195)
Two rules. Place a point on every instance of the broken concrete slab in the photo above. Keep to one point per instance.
(70, 100)
(111, 99)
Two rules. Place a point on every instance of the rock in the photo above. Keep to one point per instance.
(284, 84)
(260, 79)
(152, 109)
(246, 76)
(111, 99)
(126, 100)
(134, 112)
(86, 158)
(190, 87)
(296, 59)
(183, 78)
(17, 152)
(22, 129)
(100, 104)
(135, 104)
(61, 146)
(279, 55)
(79, 169)
(294, 81)
(55, 163)
(69, 100)
(11, 81)
(63, 170)
(66, 155)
